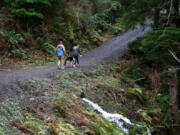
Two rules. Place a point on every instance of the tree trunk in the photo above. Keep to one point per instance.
(156, 17)
(176, 6)
(176, 19)
(174, 103)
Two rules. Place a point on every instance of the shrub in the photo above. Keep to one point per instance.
(12, 38)
(45, 45)
(137, 73)
(19, 53)
(105, 13)
(137, 94)
(98, 20)
(135, 47)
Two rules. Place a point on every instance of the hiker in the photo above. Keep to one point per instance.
(61, 51)
(76, 52)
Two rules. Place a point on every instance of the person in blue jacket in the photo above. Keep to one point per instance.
(76, 52)
(61, 52)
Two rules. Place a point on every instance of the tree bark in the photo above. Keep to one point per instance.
(156, 17)
(176, 19)
(174, 103)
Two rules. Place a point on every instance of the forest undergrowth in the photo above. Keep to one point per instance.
(53, 106)
(30, 30)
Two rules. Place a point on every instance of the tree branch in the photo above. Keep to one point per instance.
(170, 11)
(174, 56)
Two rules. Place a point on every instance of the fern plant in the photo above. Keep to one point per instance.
(104, 13)
(137, 93)
(106, 128)
(45, 45)
(19, 53)
(12, 38)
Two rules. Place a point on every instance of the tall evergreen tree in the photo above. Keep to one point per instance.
(139, 10)
(30, 8)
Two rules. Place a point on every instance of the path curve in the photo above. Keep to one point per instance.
(114, 47)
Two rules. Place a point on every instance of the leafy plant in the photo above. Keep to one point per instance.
(136, 73)
(104, 14)
(136, 47)
(162, 100)
(150, 114)
(98, 21)
(1, 131)
(45, 45)
(137, 93)
(157, 44)
(137, 11)
(19, 53)
(12, 38)
(106, 128)
(30, 8)
(137, 130)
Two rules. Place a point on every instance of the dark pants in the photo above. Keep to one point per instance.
(76, 57)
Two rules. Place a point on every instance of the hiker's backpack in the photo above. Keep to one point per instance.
(60, 51)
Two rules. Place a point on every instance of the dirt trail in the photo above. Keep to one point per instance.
(114, 47)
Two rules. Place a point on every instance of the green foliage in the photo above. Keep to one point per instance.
(151, 115)
(35, 126)
(145, 115)
(136, 73)
(59, 24)
(118, 27)
(73, 21)
(135, 46)
(106, 128)
(163, 101)
(137, 93)
(19, 53)
(30, 8)
(152, 54)
(1, 131)
(94, 36)
(98, 21)
(9, 111)
(105, 13)
(45, 45)
(136, 11)
(157, 44)
(136, 130)
(152, 51)
(106, 6)
(12, 38)
(25, 12)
